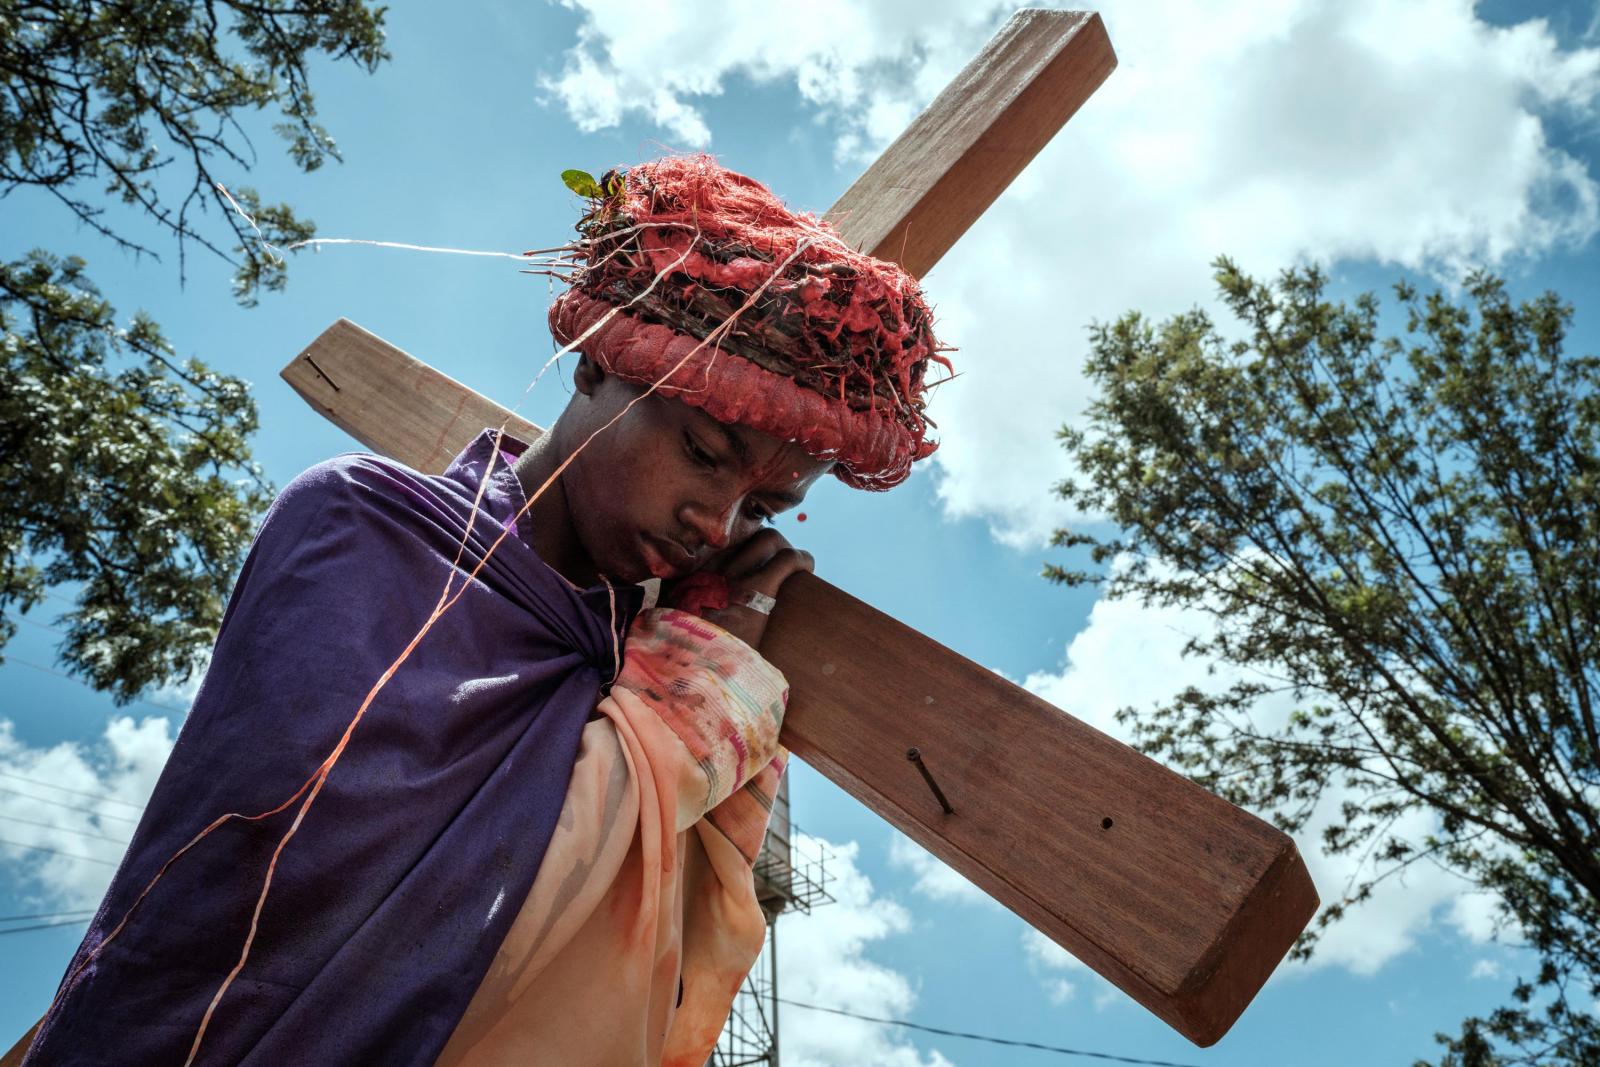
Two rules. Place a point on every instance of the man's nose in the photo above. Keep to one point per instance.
(712, 522)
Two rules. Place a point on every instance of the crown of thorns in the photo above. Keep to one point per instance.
(699, 279)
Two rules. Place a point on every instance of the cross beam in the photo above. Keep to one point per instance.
(1182, 900)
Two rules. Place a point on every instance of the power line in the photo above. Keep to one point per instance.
(43, 926)
(172, 708)
(49, 593)
(80, 792)
(56, 851)
(63, 829)
(40, 625)
(69, 807)
(984, 1037)
(45, 915)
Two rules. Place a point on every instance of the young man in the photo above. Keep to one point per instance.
(454, 790)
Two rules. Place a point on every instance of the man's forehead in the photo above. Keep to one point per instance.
(742, 441)
(735, 436)
(745, 442)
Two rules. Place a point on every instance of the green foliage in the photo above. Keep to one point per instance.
(612, 186)
(607, 197)
(582, 183)
(1400, 533)
(124, 470)
(143, 100)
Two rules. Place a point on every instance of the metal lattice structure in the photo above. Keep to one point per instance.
(791, 873)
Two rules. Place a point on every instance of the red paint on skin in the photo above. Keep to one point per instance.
(702, 591)
(769, 470)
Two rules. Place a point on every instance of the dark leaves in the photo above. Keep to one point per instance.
(143, 103)
(126, 473)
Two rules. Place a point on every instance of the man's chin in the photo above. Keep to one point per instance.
(626, 572)
(658, 559)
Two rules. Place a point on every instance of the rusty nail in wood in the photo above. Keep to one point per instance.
(915, 756)
(307, 357)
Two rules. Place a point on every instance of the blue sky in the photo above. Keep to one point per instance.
(1383, 140)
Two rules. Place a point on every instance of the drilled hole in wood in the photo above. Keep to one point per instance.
(1105, 823)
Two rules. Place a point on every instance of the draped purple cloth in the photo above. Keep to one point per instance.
(390, 901)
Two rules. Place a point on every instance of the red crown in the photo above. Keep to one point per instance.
(700, 279)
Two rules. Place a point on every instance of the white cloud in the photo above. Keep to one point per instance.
(1410, 134)
(1045, 953)
(931, 876)
(822, 959)
(1052, 963)
(79, 801)
(1479, 916)
(870, 67)
(1486, 968)
(1060, 990)
(179, 696)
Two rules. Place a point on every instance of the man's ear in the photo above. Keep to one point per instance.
(587, 375)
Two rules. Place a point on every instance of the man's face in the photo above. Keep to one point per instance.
(667, 486)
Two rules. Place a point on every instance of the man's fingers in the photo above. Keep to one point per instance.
(753, 554)
(776, 570)
(760, 567)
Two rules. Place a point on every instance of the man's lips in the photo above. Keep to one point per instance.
(664, 558)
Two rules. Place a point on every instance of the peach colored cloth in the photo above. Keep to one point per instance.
(648, 877)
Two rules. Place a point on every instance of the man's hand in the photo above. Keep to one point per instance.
(759, 565)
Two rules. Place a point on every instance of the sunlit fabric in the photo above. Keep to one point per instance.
(643, 921)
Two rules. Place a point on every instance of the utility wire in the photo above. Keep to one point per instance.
(45, 915)
(44, 926)
(69, 807)
(56, 851)
(109, 799)
(985, 1037)
(63, 829)
(172, 708)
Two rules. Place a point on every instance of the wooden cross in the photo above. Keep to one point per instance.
(1182, 900)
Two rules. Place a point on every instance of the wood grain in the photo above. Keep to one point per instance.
(950, 164)
(20, 1049)
(391, 402)
(1179, 898)
(1184, 901)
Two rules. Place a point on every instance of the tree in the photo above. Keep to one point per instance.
(127, 470)
(124, 470)
(1403, 535)
(126, 92)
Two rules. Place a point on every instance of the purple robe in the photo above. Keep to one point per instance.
(392, 898)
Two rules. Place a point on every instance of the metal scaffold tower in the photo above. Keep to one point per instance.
(791, 873)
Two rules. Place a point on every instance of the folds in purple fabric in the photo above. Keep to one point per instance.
(391, 900)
